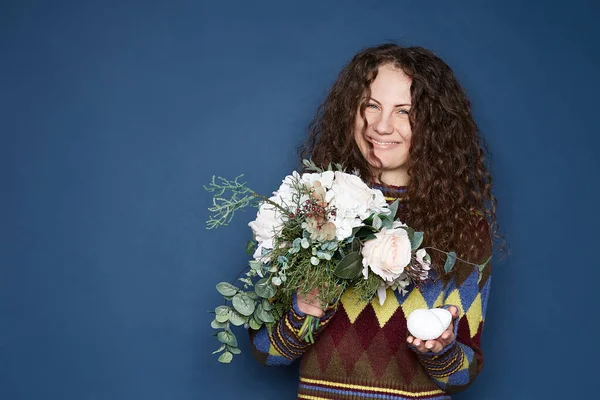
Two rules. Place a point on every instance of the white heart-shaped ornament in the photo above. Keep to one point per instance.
(428, 324)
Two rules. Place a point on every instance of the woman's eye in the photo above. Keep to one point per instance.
(404, 112)
(373, 106)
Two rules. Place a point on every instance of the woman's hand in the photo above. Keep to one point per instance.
(309, 304)
(436, 345)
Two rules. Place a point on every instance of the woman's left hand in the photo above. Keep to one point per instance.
(436, 345)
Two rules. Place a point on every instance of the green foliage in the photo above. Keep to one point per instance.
(224, 208)
(350, 266)
(450, 261)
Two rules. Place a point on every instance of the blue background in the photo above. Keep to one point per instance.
(114, 114)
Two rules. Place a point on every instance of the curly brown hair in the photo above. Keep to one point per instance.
(449, 193)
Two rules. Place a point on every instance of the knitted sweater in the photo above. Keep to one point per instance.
(360, 349)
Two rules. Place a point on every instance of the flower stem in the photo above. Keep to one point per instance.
(446, 253)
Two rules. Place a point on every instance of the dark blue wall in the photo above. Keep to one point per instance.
(114, 114)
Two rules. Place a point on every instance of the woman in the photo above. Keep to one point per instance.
(399, 117)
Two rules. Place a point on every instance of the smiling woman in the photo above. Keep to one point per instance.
(382, 130)
(399, 117)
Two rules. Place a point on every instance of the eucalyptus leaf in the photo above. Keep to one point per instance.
(227, 338)
(264, 288)
(252, 295)
(410, 232)
(394, 208)
(227, 289)
(266, 305)
(222, 313)
(387, 223)
(350, 266)
(234, 350)
(250, 247)
(254, 324)
(243, 304)
(218, 325)
(450, 261)
(264, 315)
(220, 349)
(226, 357)
(417, 240)
(236, 318)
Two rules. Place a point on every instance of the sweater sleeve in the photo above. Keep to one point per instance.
(458, 364)
(279, 343)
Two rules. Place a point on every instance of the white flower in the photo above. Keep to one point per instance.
(269, 219)
(354, 202)
(326, 178)
(388, 254)
(266, 226)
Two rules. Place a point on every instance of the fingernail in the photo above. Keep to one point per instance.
(429, 345)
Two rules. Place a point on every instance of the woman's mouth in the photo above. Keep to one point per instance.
(382, 145)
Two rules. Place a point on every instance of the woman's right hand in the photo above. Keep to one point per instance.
(309, 304)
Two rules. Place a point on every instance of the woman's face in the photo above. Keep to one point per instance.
(388, 128)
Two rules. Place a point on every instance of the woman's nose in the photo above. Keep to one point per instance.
(383, 125)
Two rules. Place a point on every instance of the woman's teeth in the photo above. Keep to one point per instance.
(378, 142)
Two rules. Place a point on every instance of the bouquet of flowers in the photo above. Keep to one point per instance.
(321, 232)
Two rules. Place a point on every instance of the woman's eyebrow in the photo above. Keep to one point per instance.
(397, 105)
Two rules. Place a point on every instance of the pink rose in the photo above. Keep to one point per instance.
(388, 254)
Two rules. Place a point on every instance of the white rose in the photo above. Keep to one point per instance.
(354, 202)
(269, 221)
(267, 224)
(326, 178)
(388, 254)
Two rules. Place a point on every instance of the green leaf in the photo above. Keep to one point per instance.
(264, 315)
(226, 357)
(236, 318)
(218, 325)
(227, 338)
(266, 305)
(222, 313)
(377, 222)
(350, 266)
(227, 289)
(410, 231)
(254, 324)
(365, 231)
(450, 260)
(417, 240)
(234, 350)
(264, 288)
(394, 208)
(243, 304)
(252, 295)
(220, 349)
(482, 266)
(250, 247)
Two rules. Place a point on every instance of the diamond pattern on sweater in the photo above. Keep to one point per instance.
(434, 297)
(468, 291)
(366, 326)
(352, 304)
(379, 354)
(454, 299)
(349, 350)
(384, 312)
(413, 301)
(474, 315)
(326, 349)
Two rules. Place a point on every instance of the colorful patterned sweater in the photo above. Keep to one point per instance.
(360, 349)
